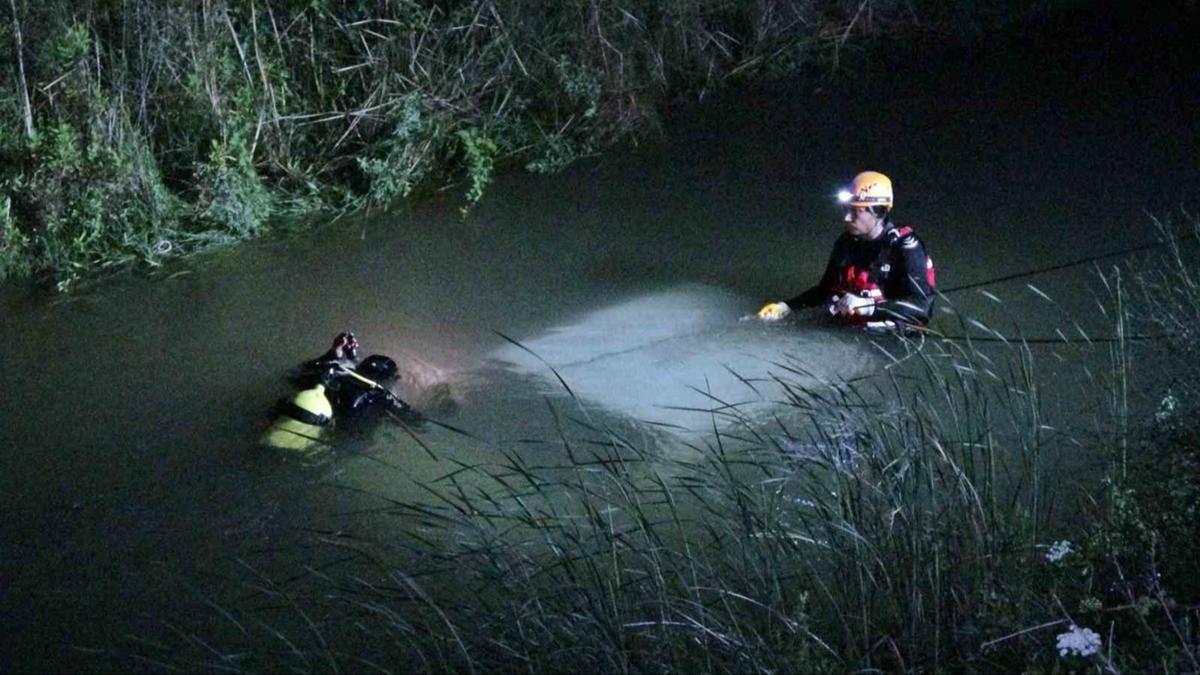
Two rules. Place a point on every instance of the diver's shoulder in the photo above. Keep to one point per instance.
(904, 236)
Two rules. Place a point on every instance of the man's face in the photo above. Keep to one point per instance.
(861, 223)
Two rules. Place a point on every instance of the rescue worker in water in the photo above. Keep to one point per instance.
(880, 275)
(335, 382)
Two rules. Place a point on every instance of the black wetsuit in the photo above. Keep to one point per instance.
(365, 389)
(351, 396)
(895, 265)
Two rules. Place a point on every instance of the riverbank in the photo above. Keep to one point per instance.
(138, 133)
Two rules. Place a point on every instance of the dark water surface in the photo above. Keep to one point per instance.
(133, 494)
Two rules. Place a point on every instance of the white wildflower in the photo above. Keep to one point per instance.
(1058, 550)
(1166, 408)
(1079, 641)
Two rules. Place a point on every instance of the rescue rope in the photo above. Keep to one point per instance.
(1040, 340)
(1060, 340)
(1053, 268)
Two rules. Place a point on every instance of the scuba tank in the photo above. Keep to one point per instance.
(303, 421)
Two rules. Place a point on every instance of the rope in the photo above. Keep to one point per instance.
(1046, 341)
(1059, 340)
(1052, 268)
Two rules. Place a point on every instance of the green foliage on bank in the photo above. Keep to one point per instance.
(136, 132)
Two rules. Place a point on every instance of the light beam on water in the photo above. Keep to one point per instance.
(666, 357)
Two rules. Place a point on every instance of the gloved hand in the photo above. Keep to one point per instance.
(854, 305)
(774, 311)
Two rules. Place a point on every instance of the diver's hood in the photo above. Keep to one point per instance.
(378, 368)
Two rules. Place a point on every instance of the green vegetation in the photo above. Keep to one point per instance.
(138, 131)
(956, 512)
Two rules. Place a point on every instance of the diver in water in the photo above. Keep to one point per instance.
(354, 387)
(365, 389)
(880, 275)
(336, 386)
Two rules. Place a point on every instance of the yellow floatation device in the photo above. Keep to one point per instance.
(303, 423)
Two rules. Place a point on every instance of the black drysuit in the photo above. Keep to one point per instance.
(894, 268)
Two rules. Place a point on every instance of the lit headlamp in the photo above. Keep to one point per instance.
(847, 197)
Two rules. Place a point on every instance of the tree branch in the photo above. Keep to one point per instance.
(26, 108)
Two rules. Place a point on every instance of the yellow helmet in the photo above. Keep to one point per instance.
(869, 188)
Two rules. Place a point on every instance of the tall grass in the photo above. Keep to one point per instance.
(943, 514)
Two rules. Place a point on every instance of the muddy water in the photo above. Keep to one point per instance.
(133, 493)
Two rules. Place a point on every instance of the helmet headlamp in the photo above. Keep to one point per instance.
(869, 188)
